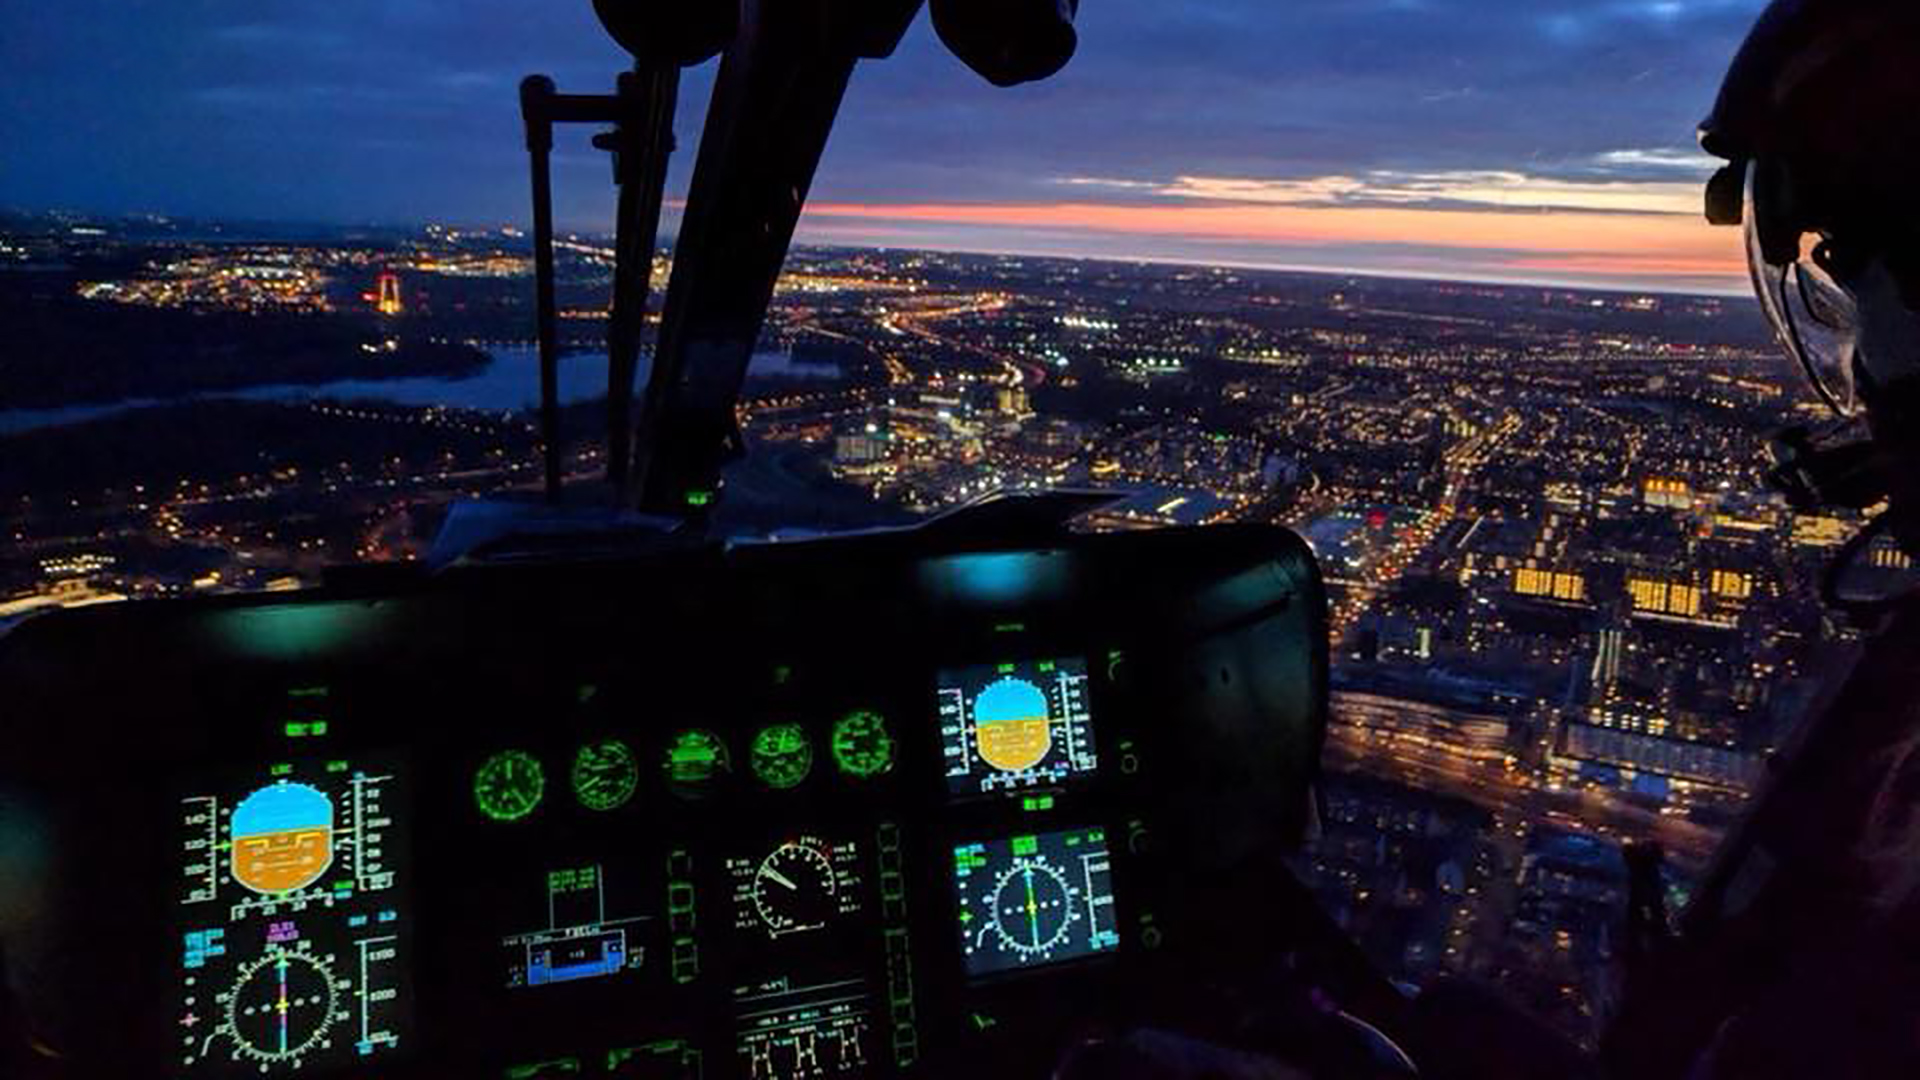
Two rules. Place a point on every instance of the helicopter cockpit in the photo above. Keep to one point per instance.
(616, 783)
(634, 800)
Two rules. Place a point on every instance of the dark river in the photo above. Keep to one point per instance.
(510, 381)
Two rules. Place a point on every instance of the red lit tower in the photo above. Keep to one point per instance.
(389, 302)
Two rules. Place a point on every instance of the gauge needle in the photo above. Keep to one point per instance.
(1033, 910)
(781, 879)
(280, 1006)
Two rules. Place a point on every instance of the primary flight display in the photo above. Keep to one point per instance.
(1005, 727)
(292, 918)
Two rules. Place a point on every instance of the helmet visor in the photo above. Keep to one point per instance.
(1815, 317)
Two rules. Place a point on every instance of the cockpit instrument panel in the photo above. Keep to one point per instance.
(863, 807)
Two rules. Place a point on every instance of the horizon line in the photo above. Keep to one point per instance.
(1736, 287)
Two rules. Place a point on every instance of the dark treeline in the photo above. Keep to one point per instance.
(218, 440)
(61, 349)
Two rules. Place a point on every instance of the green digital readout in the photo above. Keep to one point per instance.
(509, 785)
(605, 774)
(782, 756)
(696, 761)
(862, 746)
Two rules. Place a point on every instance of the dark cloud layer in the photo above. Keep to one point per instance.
(406, 109)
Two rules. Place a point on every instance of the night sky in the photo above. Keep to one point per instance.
(1540, 140)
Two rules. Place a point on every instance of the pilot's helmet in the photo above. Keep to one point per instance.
(1820, 118)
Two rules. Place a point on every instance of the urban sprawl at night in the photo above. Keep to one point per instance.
(1566, 610)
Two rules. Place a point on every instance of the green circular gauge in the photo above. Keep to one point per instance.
(782, 756)
(696, 761)
(509, 785)
(604, 774)
(861, 745)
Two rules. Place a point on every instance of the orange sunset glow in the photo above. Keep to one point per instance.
(1670, 249)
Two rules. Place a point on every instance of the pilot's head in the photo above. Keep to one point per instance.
(1819, 117)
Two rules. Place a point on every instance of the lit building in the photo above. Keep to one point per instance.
(1549, 584)
(1666, 769)
(1731, 584)
(79, 564)
(1889, 558)
(1012, 401)
(1372, 722)
(863, 447)
(1812, 530)
(1654, 597)
(1606, 661)
(1160, 507)
(1667, 494)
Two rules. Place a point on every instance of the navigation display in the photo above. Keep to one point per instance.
(1005, 727)
(293, 920)
(1028, 901)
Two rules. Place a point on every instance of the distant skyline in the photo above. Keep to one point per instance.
(1500, 140)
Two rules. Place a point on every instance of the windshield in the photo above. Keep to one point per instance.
(1425, 281)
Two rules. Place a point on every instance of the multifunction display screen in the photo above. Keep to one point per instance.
(1004, 727)
(804, 1005)
(292, 920)
(582, 922)
(800, 885)
(1030, 900)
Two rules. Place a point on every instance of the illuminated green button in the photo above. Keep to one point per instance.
(696, 761)
(605, 774)
(862, 747)
(685, 959)
(509, 785)
(782, 756)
